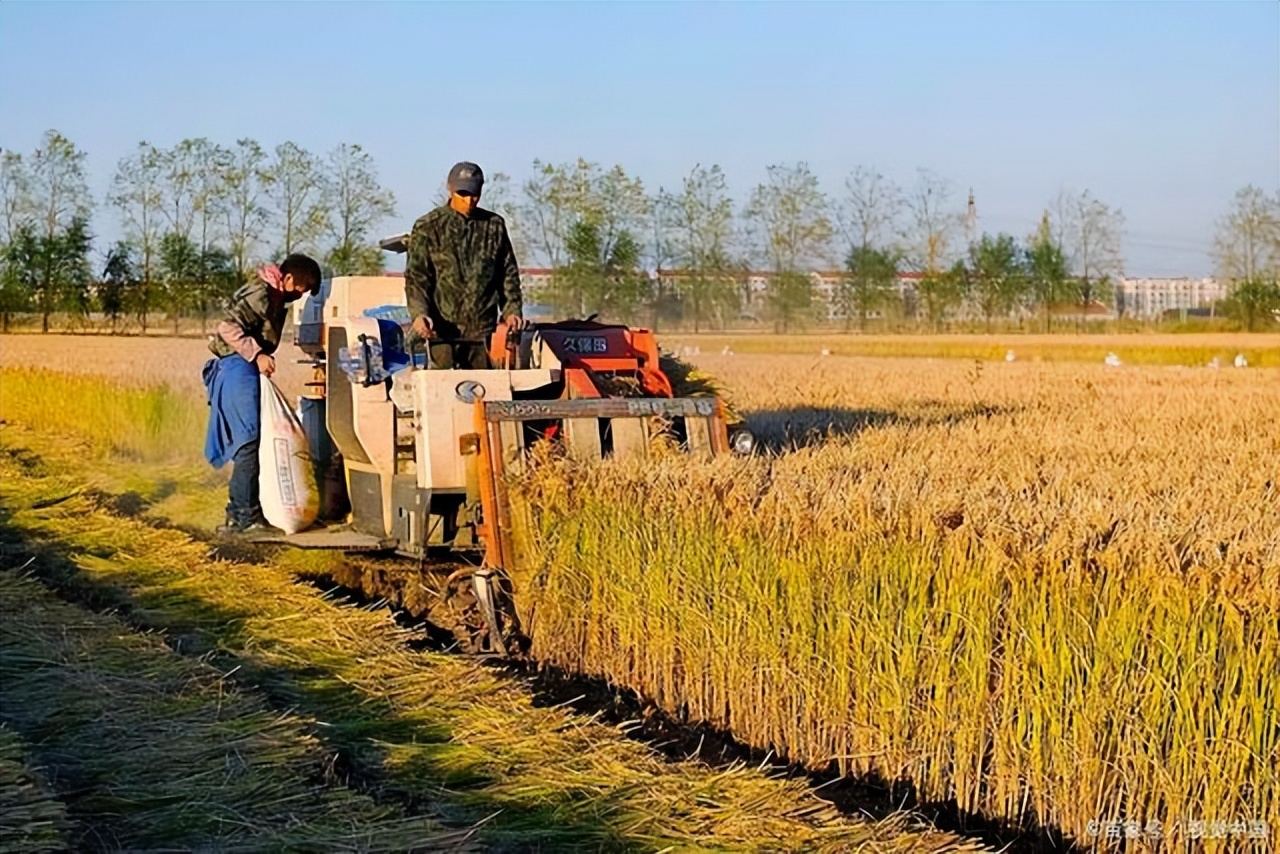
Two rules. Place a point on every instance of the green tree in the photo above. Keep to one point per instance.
(870, 279)
(940, 292)
(1255, 302)
(18, 235)
(217, 278)
(700, 225)
(558, 199)
(791, 299)
(180, 272)
(1246, 250)
(51, 273)
(788, 214)
(20, 270)
(1047, 271)
(600, 277)
(998, 275)
(74, 274)
(119, 282)
(355, 202)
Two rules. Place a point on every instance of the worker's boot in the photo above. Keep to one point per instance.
(231, 527)
(256, 525)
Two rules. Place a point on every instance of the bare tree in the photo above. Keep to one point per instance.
(1092, 242)
(244, 179)
(295, 187)
(929, 234)
(59, 192)
(355, 202)
(932, 224)
(789, 215)
(698, 228)
(209, 190)
(15, 194)
(179, 177)
(136, 190)
(1246, 245)
(556, 199)
(868, 210)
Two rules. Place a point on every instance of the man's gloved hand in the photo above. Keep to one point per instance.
(423, 328)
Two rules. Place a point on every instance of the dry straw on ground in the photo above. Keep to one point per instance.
(424, 729)
(32, 819)
(153, 750)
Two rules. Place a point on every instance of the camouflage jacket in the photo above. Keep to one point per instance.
(461, 272)
(252, 323)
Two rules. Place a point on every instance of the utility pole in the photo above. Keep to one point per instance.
(971, 221)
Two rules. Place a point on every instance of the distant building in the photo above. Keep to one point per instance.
(1152, 297)
(1144, 298)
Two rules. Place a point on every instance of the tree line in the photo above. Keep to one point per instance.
(196, 218)
(199, 216)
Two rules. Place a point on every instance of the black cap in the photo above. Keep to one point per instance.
(467, 177)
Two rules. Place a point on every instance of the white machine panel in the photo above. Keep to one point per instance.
(442, 418)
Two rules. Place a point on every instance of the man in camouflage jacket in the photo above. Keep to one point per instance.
(461, 278)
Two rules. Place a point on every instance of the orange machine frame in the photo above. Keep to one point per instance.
(615, 350)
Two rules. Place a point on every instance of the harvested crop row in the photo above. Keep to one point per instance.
(152, 749)
(32, 819)
(424, 726)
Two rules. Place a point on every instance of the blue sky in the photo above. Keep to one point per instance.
(1160, 109)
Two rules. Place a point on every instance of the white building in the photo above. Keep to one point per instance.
(1151, 297)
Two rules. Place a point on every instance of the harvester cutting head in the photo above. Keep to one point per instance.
(424, 457)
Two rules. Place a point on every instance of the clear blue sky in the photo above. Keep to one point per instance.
(1160, 109)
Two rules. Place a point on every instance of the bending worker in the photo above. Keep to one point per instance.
(461, 278)
(247, 338)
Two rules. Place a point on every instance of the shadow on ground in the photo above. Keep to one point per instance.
(351, 724)
(790, 428)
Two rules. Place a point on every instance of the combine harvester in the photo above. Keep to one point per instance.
(413, 463)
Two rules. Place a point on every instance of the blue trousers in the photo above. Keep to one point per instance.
(234, 396)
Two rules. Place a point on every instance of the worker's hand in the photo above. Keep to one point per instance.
(514, 323)
(265, 364)
(423, 327)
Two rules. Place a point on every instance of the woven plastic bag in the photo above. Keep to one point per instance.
(286, 478)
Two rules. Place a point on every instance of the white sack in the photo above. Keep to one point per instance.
(286, 479)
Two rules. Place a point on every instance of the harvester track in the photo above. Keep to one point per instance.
(434, 591)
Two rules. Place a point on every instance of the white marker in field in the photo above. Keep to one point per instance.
(1009, 357)
(1241, 361)
(1112, 360)
(1215, 363)
(826, 351)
